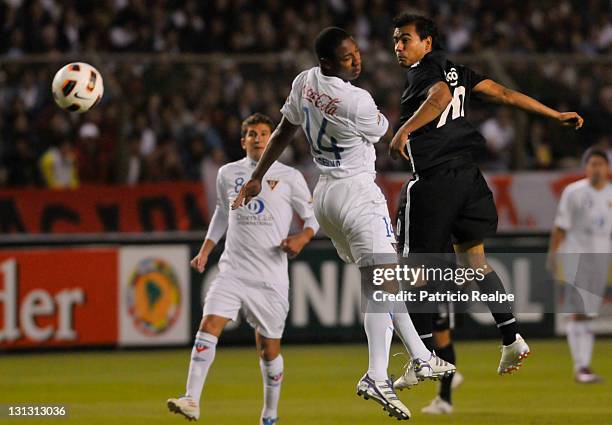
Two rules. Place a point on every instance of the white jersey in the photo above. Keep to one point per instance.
(341, 122)
(586, 216)
(255, 231)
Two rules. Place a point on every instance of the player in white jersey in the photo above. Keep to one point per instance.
(581, 242)
(341, 123)
(253, 267)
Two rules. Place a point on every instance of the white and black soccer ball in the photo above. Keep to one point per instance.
(77, 87)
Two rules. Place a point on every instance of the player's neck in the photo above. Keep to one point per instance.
(600, 185)
(329, 74)
(252, 160)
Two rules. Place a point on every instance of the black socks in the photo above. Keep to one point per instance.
(502, 312)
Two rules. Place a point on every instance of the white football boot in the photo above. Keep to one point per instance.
(438, 407)
(186, 406)
(586, 376)
(418, 370)
(382, 392)
(407, 380)
(513, 356)
(457, 380)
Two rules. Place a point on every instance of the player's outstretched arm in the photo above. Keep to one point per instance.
(495, 92)
(279, 140)
(438, 98)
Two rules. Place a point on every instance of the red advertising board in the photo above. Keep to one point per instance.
(61, 297)
(97, 209)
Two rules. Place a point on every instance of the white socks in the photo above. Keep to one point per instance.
(406, 331)
(379, 330)
(580, 340)
(379, 322)
(202, 356)
(272, 374)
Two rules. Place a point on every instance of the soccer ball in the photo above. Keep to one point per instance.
(77, 87)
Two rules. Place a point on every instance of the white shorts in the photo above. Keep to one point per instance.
(263, 307)
(353, 212)
(586, 277)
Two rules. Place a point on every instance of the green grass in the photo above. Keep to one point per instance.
(120, 388)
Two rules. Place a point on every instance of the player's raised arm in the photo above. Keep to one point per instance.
(279, 140)
(438, 98)
(497, 93)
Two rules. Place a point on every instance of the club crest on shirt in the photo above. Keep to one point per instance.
(272, 183)
(452, 76)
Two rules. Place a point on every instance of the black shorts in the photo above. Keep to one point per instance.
(452, 201)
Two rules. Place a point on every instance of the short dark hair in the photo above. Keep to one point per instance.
(596, 152)
(423, 26)
(328, 40)
(256, 118)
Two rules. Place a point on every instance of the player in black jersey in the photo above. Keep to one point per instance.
(448, 196)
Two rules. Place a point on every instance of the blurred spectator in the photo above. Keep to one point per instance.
(499, 134)
(20, 165)
(540, 146)
(164, 163)
(92, 161)
(193, 156)
(131, 163)
(58, 166)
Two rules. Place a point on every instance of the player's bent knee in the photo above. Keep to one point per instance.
(269, 348)
(270, 354)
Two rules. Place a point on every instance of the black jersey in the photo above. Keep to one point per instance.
(451, 134)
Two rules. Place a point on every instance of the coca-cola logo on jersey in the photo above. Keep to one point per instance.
(322, 101)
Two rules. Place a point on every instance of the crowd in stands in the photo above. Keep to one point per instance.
(166, 120)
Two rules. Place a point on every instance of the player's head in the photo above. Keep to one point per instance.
(597, 166)
(414, 36)
(255, 133)
(338, 54)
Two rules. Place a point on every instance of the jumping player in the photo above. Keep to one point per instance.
(448, 196)
(341, 123)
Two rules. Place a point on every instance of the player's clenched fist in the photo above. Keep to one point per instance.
(199, 261)
(293, 245)
(570, 119)
(250, 190)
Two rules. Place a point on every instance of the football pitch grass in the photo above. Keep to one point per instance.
(131, 387)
